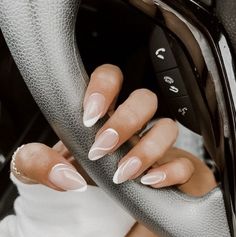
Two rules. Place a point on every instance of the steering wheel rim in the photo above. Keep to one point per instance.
(41, 37)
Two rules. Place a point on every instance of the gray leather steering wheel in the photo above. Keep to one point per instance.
(40, 35)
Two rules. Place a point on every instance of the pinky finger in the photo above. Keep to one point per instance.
(176, 172)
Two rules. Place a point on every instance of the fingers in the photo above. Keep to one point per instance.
(103, 89)
(129, 118)
(38, 163)
(175, 172)
(202, 179)
(148, 151)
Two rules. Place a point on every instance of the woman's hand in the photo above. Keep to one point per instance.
(153, 152)
(53, 167)
(152, 156)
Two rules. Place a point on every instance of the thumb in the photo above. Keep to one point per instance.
(38, 163)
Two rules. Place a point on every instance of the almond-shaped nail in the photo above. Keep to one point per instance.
(153, 178)
(105, 142)
(93, 109)
(66, 178)
(127, 169)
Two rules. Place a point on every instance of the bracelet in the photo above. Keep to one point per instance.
(13, 161)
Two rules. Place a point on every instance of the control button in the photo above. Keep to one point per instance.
(184, 112)
(171, 83)
(160, 50)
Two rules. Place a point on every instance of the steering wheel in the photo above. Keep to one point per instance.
(41, 37)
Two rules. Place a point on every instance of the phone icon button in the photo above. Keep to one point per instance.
(160, 53)
(171, 83)
(160, 48)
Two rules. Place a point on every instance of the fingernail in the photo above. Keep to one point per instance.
(66, 178)
(127, 169)
(94, 108)
(153, 178)
(106, 141)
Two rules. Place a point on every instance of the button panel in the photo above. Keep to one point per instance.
(183, 111)
(160, 51)
(171, 83)
(169, 62)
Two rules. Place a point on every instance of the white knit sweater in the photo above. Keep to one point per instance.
(43, 212)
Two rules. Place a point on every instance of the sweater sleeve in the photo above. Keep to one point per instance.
(41, 211)
(7, 225)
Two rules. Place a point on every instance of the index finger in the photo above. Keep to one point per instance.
(102, 91)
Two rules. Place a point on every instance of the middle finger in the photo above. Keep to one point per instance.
(129, 118)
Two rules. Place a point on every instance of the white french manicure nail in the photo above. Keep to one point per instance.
(93, 109)
(153, 178)
(66, 178)
(105, 142)
(127, 169)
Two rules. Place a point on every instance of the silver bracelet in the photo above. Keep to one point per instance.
(13, 161)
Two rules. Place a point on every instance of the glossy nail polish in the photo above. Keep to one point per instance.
(127, 169)
(93, 109)
(67, 178)
(153, 178)
(106, 141)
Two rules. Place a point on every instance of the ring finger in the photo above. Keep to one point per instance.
(149, 150)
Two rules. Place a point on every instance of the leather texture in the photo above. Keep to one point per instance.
(225, 11)
(40, 35)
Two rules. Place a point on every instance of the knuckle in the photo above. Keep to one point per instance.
(24, 158)
(185, 169)
(126, 114)
(170, 124)
(147, 99)
(147, 95)
(23, 153)
(114, 69)
(152, 149)
(30, 153)
(109, 67)
(108, 75)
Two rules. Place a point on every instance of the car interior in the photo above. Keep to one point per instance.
(152, 45)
